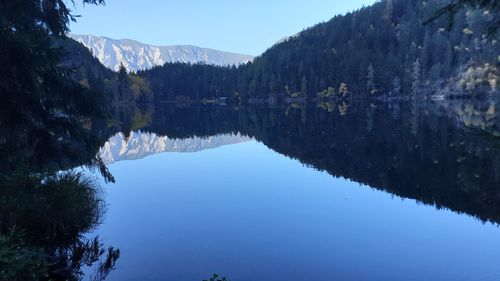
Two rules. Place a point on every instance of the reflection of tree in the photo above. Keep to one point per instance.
(127, 118)
(481, 116)
(369, 118)
(90, 253)
(413, 122)
(414, 150)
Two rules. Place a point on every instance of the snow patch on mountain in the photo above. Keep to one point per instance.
(140, 145)
(136, 56)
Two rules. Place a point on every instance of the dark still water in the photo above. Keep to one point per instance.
(347, 191)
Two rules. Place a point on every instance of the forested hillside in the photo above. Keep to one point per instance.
(86, 69)
(384, 49)
(116, 87)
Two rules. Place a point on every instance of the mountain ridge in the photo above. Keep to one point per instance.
(135, 55)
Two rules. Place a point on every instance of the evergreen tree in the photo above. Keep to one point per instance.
(122, 84)
(389, 10)
(40, 102)
(396, 84)
(303, 86)
(370, 80)
(416, 76)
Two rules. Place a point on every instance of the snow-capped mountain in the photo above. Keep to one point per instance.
(138, 56)
(140, 145)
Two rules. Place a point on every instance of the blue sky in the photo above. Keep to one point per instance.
(248, 27)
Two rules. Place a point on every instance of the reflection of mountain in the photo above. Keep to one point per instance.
(140, 145)
(411, 149)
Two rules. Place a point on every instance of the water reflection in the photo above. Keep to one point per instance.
(445, 155)
(139, 145)
(245, 211)
(239, 209)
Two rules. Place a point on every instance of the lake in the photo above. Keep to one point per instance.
(378, 190)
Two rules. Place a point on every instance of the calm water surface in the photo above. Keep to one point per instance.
(330, 192)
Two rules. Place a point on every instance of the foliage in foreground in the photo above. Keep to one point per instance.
(42, 223)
